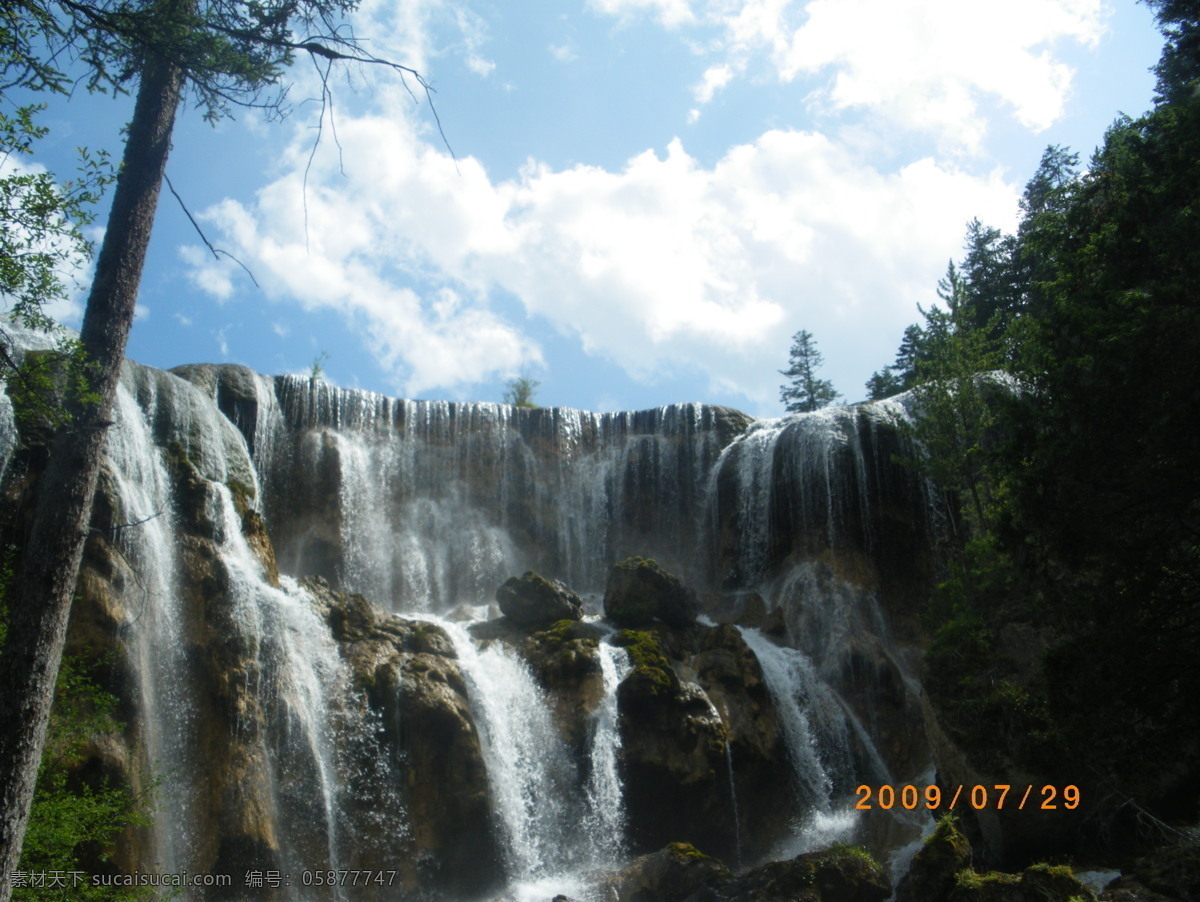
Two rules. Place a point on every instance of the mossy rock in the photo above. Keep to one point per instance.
(933, 874)
(839, 874)
(672, 874)
(1055, 883)
(639, 592)
(652, 673)
(994, 886)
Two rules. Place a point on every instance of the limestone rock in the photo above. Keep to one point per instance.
(532, 600)
(408, 673)
(672, 874)
(840, 874)
(639, 591)
(673, 757)
(565, 660)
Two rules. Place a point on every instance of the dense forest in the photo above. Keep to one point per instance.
(1058, 378)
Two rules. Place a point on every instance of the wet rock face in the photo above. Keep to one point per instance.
(408, 673)
(673, 754)
(703, 756)
(639, 592)
(532, 600)
(565, 660)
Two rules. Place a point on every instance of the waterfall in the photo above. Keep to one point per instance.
(813, 723)
(154, 629)
(605, 820)
(243, 703)
(425, 505)
(300, 675)
(529, 768)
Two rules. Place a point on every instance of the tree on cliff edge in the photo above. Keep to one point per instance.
(804, 392)
(224, 52)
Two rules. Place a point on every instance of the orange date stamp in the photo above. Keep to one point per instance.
(998, 797)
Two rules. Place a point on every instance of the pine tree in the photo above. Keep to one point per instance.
(805, 392)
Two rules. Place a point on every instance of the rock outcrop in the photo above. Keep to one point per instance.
(531, 600)
(640, 592)
(942, 872)
(407, 671)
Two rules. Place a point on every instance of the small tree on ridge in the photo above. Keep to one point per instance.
(804, 392)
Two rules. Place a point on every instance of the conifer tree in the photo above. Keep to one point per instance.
(804, 392)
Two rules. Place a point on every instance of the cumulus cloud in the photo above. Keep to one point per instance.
(926, 65)
(663, 265)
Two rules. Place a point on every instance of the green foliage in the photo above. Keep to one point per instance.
(1074, 492)
(316, 369)
(73, 824)
(43, 219)
(41, 240)
(804, 392)
(232, 52)
(520, 391)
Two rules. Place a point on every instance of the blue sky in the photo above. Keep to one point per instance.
(647, 199)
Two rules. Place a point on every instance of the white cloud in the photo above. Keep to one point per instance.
(564, 53)
(670, 13)
(185, 321)
(926, 65)
(715, 78)
(664, 264)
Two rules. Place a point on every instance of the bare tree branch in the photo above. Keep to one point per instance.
(216, 251)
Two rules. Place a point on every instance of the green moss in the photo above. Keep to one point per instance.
(650, 665)
(1052, 870)
(969, 880)
(556, 634)
(842, 851)
(643, 648)
(687, 850)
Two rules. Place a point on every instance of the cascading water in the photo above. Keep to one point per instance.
(605, 820)
(529, 768)
(301, 676)
(426, 505)
(154, 626)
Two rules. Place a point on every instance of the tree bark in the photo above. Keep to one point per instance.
(40, 604)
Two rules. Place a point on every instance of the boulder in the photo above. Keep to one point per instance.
(838, 874)
(933, 874)
(674, 873)
(639, 592)
(565, 660)
(532, 600)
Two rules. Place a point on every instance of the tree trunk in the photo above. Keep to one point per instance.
(40, 603)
